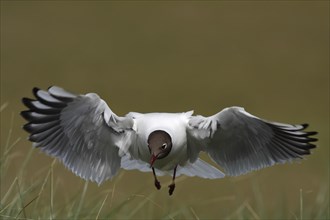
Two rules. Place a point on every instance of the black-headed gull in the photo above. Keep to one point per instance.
(93, 142)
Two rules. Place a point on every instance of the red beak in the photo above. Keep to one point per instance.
(153, 159)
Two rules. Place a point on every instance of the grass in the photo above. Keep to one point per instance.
(40, 200)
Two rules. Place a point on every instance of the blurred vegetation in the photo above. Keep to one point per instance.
(270, 57)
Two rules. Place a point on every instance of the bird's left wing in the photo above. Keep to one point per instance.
(240, 142)
(79, 130)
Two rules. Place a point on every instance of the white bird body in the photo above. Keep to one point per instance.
(175, 124)
(94, 143)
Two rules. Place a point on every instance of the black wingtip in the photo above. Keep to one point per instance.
(27, 102)
(25, 114)
(32, 138)
(311, 146)
(311, 133)
(305, 125)
(313, 140)
(35, 91)
(50, 87)
(27, 128)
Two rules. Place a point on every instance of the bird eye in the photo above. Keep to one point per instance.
(164, 146)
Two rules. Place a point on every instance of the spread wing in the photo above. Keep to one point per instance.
(79, 130)
(240, 142)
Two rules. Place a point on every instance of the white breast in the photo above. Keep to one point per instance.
(174, 124)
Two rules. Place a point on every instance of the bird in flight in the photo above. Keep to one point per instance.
(94, 143)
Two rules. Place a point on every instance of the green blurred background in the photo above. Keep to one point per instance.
(270, 57)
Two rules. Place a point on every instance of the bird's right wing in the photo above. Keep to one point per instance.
(79, 130)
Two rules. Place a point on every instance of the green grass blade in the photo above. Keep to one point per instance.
(81, 200)
(98, 213)
(301, 204)
(21, 199)
(6, 196)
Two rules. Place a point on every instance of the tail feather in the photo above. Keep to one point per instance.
(199, 168)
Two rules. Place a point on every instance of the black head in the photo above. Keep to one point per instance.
(160, 145)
